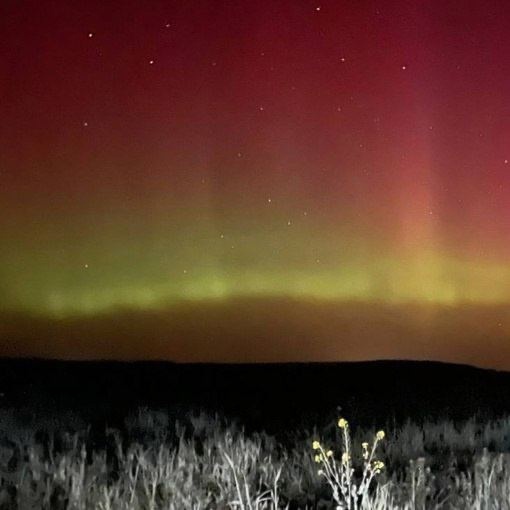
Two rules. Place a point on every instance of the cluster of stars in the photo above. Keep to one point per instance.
(261, 108)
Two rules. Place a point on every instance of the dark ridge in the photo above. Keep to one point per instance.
(270, 396)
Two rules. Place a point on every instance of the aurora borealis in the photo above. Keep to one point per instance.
(158, 153)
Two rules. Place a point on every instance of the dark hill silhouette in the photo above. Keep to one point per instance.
(271, 396)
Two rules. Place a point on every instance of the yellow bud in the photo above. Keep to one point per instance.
(316, 445)
(378, 465)
(364, 446)
(317, 458)
(380, 434)
(342, 423)
(329, 453)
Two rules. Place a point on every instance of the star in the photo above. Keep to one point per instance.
(90, 35)
(151, 62)
(318, 9)
(506, 161)
(404, 67)
(85, 124)
(269, 200)
(86, 266)
(342, 59)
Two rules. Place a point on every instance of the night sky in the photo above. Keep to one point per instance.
(207, 163)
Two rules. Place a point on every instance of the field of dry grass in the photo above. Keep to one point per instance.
(203, 462)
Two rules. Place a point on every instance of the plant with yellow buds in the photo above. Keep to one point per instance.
(340, 475)
(364, 446)
(377, 466)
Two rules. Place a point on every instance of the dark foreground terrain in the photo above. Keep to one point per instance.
(272, 397)
(139, 436)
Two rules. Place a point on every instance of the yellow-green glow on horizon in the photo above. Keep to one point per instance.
(426, 279)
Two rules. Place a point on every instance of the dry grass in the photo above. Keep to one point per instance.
(204, 463)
